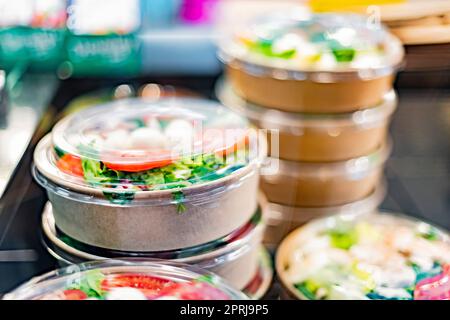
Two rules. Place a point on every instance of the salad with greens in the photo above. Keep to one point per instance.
(379, 257)
(97, 285)
(149, 153)
(325, 42)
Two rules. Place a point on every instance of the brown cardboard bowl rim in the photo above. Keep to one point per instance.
(355, 208)
(237, 247)
(286, 121)
(320, 76)
(413, 10)
(289, 241)
(49, 176)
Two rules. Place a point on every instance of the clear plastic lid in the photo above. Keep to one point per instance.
(138, 145)
(296, 40)
(129, 279)
(292, 121)
(275, 213)
(373, 256)
(354, 169)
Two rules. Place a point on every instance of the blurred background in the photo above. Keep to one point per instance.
(57, 56)
(54, 50)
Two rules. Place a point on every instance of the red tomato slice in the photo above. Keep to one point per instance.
(70, 164)
(223, 142)
(244, 141)
(150, 286)
(136, 166)
(74, 295)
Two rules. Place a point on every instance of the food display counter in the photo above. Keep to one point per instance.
(416, 174)
(297, 155)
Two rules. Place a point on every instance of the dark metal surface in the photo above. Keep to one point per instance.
(417, 173)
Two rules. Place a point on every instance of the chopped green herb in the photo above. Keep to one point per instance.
(376, 296)
(180, 174)
(119, 197)
(421, 274)
(302, 287)
(139, 123)
(265, 47)
(343, 239)
(430, 234)
(59, 152)
(206, 278)
(153, 178)
(90, 283)
(344, 54)
(178, 197)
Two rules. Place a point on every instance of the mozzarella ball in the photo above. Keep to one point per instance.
(179, 131)
(125, 294)
(147, 138)
(327, 61)
(118, 139)
(152, 122)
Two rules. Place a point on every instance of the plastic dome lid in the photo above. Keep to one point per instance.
(138, 145)
(381, 256)
(302, 41)
(130, 279)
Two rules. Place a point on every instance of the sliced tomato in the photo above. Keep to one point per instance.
(162, 158)
(223, 142)
(150, 286)
(70, 164)
(243, 141)
(74, 295)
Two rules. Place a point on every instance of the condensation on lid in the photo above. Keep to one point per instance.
(54, 283)
(136, 130)
(136, 145)
(299, 41)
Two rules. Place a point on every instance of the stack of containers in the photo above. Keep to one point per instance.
(322, 86)
(175, 178)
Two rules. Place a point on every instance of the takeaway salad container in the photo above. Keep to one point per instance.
(139, 175)
(282, 219)
(128, 279)
(376, 256)
(315, 63)
(310, 184)
(236, 257)
(310, 137)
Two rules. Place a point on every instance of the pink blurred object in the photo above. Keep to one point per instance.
(434, 288)
(198, 11)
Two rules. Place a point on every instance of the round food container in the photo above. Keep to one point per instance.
(235, 257)
(374, 256)
(137, 175)
(129, 279)
(316, 137)
(316, 63)
(305, 184)
(280, 220)
(259, 286)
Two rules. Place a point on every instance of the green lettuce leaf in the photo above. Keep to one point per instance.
(90, 283)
